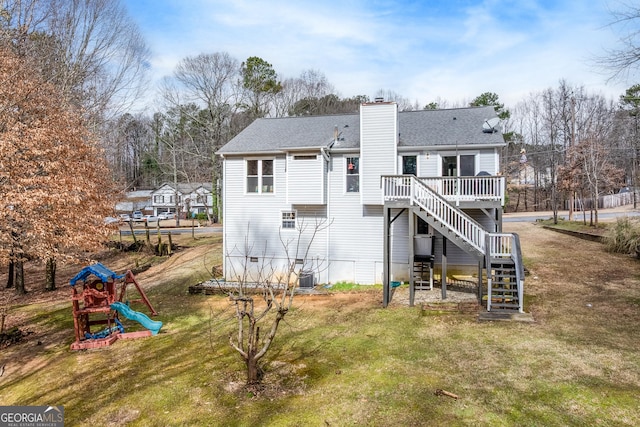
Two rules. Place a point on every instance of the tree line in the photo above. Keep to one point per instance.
(71, 70)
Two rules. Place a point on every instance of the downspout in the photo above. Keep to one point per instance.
(224, 215)
(327, 159)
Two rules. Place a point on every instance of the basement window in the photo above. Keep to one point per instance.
(289, 220)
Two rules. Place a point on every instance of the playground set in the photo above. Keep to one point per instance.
(96, 301)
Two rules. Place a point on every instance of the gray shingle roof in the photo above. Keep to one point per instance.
(423, 128)
(187, 187)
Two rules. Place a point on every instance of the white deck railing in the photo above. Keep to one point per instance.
(500, 245)
(417, 191)
(421, 192)
(462, 189)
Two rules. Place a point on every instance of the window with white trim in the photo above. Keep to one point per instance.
(353, 174)
(260, 176)
(289, 220)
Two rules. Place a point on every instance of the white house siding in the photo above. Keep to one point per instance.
(305, 178)
(201, 200)
(355, 234)
(312, 219)
(488, 161)
(163, 199)
(399, 245)
(252, 220)
(428, 164)
(253, 223)
(350, 250)
(458, 260)
(378, 148)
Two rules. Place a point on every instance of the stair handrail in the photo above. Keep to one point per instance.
(418, 193)
(519, 263)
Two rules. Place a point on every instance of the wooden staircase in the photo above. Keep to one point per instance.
(423, 272)
(501, 251)
(503, 294)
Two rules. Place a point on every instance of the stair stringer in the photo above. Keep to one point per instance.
(449, 233)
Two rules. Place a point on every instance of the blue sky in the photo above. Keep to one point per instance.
(424, 50)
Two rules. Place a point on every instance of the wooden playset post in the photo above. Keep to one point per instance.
(130, 278)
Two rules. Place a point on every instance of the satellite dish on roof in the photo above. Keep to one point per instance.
(489, 126)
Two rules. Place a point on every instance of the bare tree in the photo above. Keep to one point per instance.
(90, 49)
(311, 84)
(624, 59)
(328, 104)
(404, 104)
(210, 83)
(264, 294)
(590, 162)
(130, 150)
(182, 148)
(550, 122)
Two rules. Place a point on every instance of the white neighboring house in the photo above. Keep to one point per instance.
(400, 189)
(184, 198)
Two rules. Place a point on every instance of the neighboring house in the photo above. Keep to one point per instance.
(184, 198)
(523, 174)
(138, 200)
(396, 188)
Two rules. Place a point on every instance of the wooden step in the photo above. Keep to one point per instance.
(498, 290)
(504, 311)
(504, 270)
(501, 304)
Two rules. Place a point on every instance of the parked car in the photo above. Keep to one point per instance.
(124, 217)
(110, 220)
(150, 218)
(137, 216)
(166, 215)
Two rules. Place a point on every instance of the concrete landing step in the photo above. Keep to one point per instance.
(501, 316)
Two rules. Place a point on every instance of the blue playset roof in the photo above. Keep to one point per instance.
(98, 270)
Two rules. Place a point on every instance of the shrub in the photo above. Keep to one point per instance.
(623, 236)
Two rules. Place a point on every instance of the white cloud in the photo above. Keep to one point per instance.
(421, 50)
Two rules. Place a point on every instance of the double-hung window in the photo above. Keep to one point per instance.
(353, 174)
(260, 176)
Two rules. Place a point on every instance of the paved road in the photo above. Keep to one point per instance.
(165, 231)
(577, 216)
